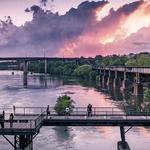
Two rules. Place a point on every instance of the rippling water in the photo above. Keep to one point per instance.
(66, 138)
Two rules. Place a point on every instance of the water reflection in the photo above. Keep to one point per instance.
(127, 100)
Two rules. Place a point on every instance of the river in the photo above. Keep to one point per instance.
(71, 138)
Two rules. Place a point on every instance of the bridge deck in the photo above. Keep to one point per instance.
(30, 123)
(143, 70)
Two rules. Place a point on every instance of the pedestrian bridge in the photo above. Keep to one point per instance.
(28, 121)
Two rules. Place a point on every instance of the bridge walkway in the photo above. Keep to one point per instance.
(28, 121)
(32, 121)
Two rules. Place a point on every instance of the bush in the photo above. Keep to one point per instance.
(62, 103)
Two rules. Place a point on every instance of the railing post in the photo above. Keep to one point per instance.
(35, 123)
(30, 124)
(24, 110)
(146, 114)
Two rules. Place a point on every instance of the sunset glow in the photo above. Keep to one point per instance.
(137, 20)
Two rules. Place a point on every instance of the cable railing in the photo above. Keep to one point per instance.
(33, 117)
(36, 111)
(39, 110)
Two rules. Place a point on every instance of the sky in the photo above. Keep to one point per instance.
(80, 28)
(15, 8)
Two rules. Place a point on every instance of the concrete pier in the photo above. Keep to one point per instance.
(23, 142)
(104, 80)
(110, 79)
(25, 73)
(137, 89)
(126, 79)
(137, 86)
(122, 145)
(45, 67)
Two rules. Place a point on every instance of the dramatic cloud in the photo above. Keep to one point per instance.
(108, 34)
(79, 32)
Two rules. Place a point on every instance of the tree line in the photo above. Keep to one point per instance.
(82, 67)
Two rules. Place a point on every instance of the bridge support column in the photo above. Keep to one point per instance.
(125, 83)
(138, 89)
(45, 73)
(123, 145)
(25, 73)
(110, 80)
(23, 142)
(45, 66)
(116, 80)
(117, 83)
(104, 79)
(137, 86)
(100, 76)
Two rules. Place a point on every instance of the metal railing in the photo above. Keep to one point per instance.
(99, 113)
(39, 120)
(75, 110)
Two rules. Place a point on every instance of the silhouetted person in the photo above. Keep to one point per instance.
(89, 110)
(11, 119)
(2, 117)
(47, 111)
(67, 111)
(14, 109)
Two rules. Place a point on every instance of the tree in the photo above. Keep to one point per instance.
(83, 71)
(62, 103)
(92, 75)
(139, 60)
(147, 95)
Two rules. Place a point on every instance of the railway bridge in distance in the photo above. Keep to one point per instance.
(28, 121)
(124, 77)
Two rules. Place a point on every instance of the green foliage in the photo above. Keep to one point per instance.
(82, 67)
(62, 103)
(147, 95)
(92, 75)
(114, 60)
(131, 62)
(139, 60)
(83, 71)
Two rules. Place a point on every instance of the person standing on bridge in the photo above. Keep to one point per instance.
(11, 119)
(2, 118)
(67, 112)
(89, 110)
(14, 109)
(47, 112)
